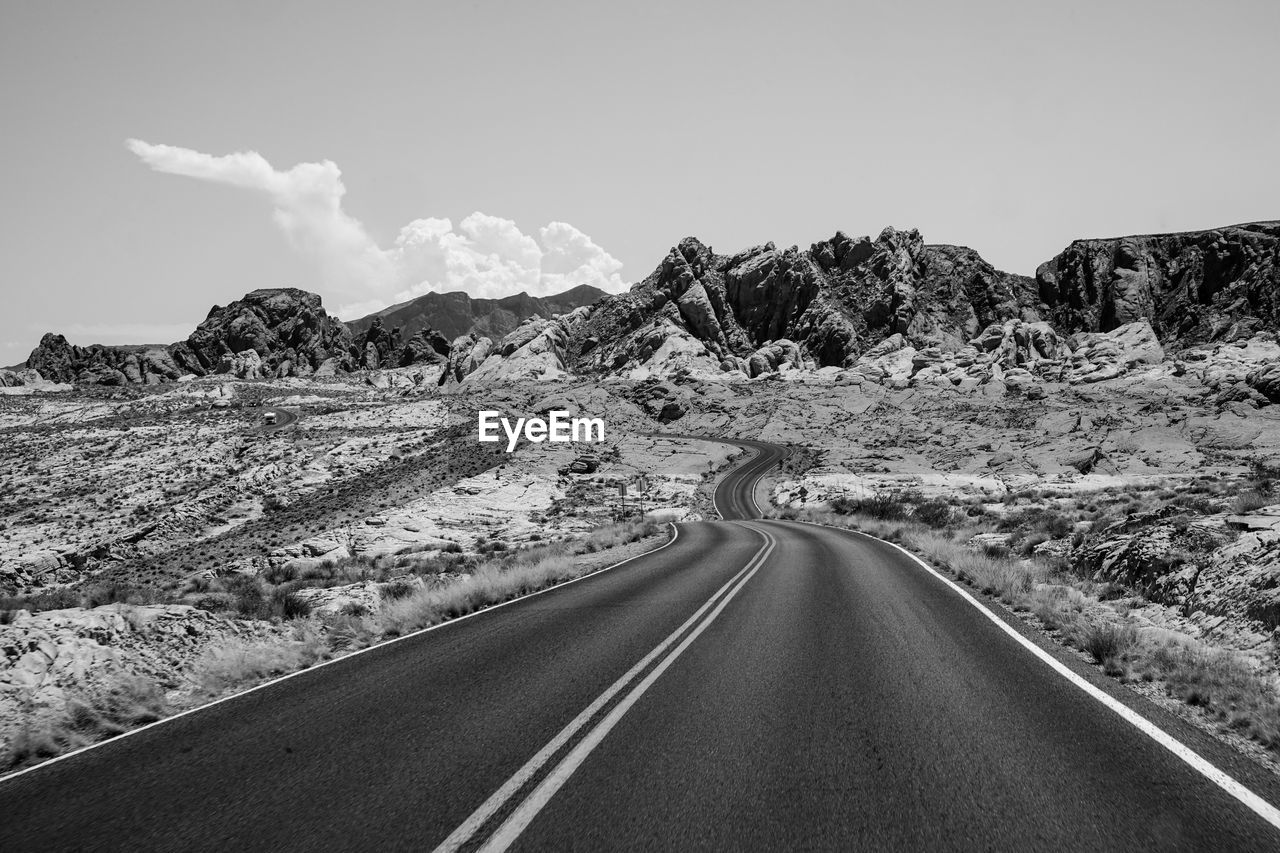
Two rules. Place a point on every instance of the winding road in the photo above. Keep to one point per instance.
(750, 685)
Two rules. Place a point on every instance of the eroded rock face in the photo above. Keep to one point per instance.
(378, 347)
(661, 401)
(1194, 287)
(56, 360)
(766, 307)
(287, 328)
(465, 355)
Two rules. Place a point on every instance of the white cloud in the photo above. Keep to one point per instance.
(485, 255)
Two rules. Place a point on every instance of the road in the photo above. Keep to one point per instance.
(284, 420)
(752, 685)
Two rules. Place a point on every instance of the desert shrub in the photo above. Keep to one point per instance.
(239, 663)
(1107, 641)
(396, 589)
(122, 702)
(348, 629)
(280, 574)
(933, 513)
(1249, 501)
(452, 548)
(110, 592)
(283, 603)
(881, 506)
(490, 584)
(244, 596)
(53, 599)
(1194, 503)
(1224, 684)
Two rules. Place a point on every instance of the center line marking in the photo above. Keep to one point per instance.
(510, 830)
(499, 798)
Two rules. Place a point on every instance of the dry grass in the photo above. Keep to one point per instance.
(503, 579)
(241, 663)
(489, 585)
(122, 702)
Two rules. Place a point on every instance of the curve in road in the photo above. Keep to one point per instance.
(754, 685)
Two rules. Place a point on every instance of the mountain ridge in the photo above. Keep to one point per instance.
(834, 304)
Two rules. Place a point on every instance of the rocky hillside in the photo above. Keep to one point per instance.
(897, 310)
(456, 314)
(1194, 287)
(893, 308)
(825, 305)
(269, 333)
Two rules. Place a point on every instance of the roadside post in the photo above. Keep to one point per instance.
(622, 493)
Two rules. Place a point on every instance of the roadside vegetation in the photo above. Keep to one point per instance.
(414, 590)
(1027, 554)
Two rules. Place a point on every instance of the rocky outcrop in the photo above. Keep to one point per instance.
(1194, 287)
(465, 355)
(1266, 381)
(764, 308)
(21, 378)
(1105, 355)
(267, 334)
(378, 347)
(56, 360)
(287, 328)
(661, 401)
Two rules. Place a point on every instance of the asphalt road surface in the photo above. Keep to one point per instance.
(284, 420)
(752, 685)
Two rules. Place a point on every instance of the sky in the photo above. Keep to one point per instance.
(158, 158)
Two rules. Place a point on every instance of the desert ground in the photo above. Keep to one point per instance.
(163, 545)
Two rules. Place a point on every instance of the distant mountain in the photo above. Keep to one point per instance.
(455, 314)
(285, 331)
(836, 303)
(845, 300)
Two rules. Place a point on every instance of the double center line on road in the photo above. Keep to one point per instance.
(528, 809)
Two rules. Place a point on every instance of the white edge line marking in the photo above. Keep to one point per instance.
(524, 814)
(1252, 801)
(675, 534)
(499, 798)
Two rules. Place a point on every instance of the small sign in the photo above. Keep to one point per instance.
(622, 489)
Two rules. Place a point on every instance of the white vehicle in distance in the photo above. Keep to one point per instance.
(269, 419)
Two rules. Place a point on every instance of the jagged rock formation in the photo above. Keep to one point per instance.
(58, 361)
(269, 333)
(465, 355)
(377, 347)
(1194, 287)
(827, 305)
(892, 310)
(19, 377)
(456, 314)
(287, 328)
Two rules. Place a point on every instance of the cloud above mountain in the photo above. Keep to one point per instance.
(484, 255)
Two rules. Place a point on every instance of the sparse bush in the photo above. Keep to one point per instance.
(933, 513)
(283, 604)
(122, 702)
(282, 573)
(880, 506)
(239, 663)
(1107, 641)
(1249, 501)
(396, 589)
